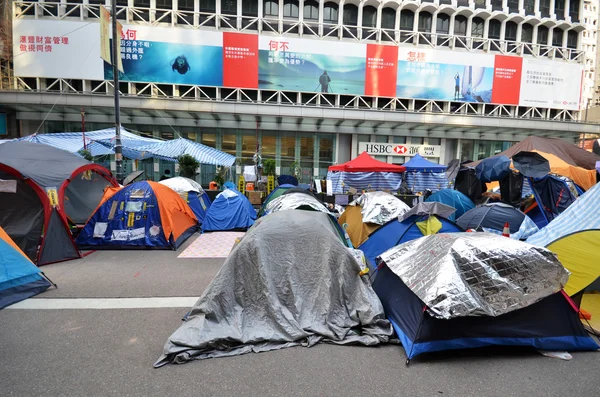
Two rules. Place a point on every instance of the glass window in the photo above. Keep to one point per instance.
(307, 155)
(559, 9)
(434, 141)
(209, 139)
(545, 8)
(388, 18)
(513, 6)
(416, 140)
(510, 32)
(268, 147)
(311, 10)
(529, 6)
(326, 146)
(163, 4)
(271, 8)
(228, 144)
(250, 8)
(494, 29)
(399, 139)
(557, 37)
(572, 39)
(290, 9)
(574, 11)
(369, 17)
(229, 7)
(330, 13)
(381, 139)
(288, 151)
(364, 138)
(443, 24)
(527, 33)
(425, 22)
(407, 20)
(350, 15)
(496, 5)
(542, 36)
(477, 27)
(381, 158)
(248, 144)
(460, 25)
(205, 5)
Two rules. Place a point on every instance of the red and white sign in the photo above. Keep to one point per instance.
(382, 70)
(400, 149)
(552, 84)
(240, 60)
(44, 48)
(507, 80)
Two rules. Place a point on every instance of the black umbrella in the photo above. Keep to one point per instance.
(132, 177)
(531, 164)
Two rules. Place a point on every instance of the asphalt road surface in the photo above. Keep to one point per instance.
(95, 351)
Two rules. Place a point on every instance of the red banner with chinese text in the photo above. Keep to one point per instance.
(240, 60)
(507, 79)
(382, 70)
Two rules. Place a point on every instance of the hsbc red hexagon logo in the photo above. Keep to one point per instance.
(400, 149)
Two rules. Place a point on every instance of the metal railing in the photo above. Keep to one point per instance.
(290, 98)
(270, 25)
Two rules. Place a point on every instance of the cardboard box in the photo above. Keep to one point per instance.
(255, 198)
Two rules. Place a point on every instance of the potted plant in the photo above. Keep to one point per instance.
(269, 167)
(188, 166)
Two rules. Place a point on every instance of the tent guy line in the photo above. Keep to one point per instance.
(105, 303)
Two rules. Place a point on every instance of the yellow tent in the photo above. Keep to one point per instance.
(580, 254)
(358, 231)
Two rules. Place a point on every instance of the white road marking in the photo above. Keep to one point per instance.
(107, 303)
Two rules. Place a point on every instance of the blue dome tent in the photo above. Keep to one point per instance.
(454, 199)
(231, 210)
(19, 277)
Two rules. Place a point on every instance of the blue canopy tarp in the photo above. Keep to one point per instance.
(418, 163)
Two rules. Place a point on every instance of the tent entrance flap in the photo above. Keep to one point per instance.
(58, 244)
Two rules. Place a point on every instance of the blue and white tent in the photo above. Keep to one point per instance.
(170, 150)
(582, 214)
(422, 174)
(99, 142)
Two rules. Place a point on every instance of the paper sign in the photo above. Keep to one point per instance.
(318, 186)
(8, 186)
(137, 234)
(52, 196)
(329, 187)
(100, 229)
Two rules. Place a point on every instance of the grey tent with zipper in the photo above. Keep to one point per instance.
(291, 281)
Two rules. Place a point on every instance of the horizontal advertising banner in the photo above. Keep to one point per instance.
(399, 149)
(162, 55)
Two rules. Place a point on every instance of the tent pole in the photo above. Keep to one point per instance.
(115, 54)
(50, 281)
(83, 128)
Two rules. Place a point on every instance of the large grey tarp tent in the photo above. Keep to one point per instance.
(41, 188)
(273, 292)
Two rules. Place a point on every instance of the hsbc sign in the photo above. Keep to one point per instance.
(399, 149)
